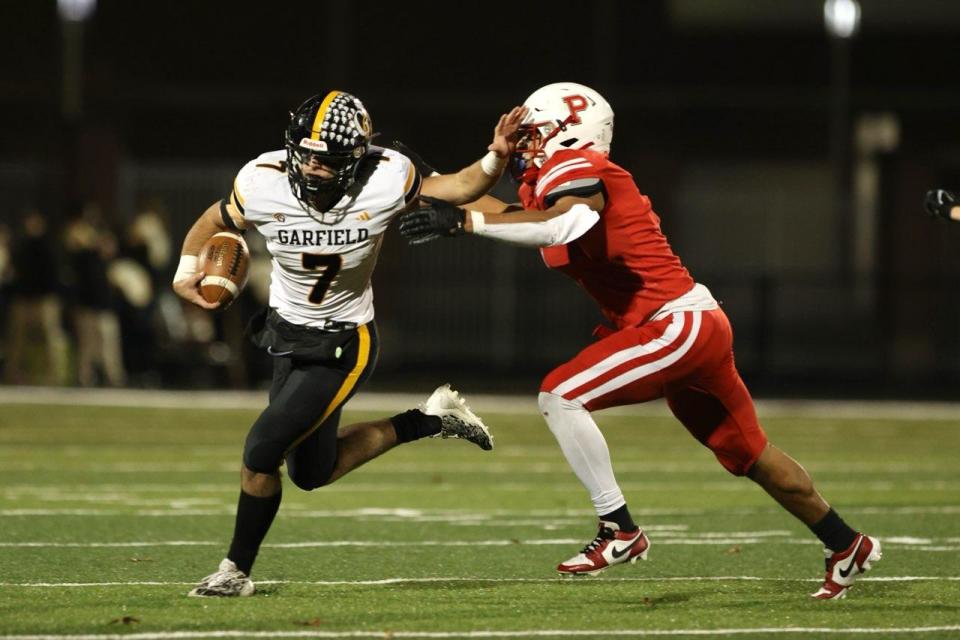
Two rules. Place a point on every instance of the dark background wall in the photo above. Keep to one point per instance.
(788, 167)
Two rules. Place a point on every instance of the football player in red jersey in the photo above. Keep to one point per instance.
(669, 337)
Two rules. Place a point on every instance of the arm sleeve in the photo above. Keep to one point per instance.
(561, 229)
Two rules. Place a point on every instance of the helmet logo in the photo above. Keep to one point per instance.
(315, 145)
(576, 104)
(362, 122)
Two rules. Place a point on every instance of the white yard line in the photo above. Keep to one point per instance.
(520, 633)
(228, 509)
(183, 635)
(553, 580)
(715, 538)
(492, 404)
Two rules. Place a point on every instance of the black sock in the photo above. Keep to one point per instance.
(622, 517)
(414, 424)
(835, 534)
(254, 517)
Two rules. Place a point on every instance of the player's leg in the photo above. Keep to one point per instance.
(303, 396)
(625, 367)
(716, 407)
(791, 486)
(330, 453)
(313, 462)
(618, 538)
(304, 409)
(257, 505)
(847, 552)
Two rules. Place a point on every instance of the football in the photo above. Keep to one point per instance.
(225, 262)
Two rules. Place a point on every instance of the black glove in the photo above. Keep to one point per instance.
(425, 169)
(431, 220)
(939, 202)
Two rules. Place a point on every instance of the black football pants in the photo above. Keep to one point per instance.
(300, 423)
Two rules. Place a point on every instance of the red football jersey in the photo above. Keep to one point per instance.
(624, 261)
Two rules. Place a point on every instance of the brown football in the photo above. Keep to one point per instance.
(225, 262)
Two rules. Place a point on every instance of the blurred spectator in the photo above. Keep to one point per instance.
(140, 275)
(4, 283)
(90, 248)
(35, 308)
(149, 241)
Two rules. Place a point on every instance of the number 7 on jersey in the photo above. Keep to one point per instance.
(330, 263)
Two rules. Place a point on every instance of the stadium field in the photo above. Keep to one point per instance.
(109, 514)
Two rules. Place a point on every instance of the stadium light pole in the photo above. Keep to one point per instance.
(73, 14)
(842, 21)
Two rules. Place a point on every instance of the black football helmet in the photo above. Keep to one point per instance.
(335, 130)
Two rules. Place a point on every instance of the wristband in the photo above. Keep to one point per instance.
(477, 222)
(186, 268)
(491, 164)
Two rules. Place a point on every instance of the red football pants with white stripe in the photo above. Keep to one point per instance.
(686, 357)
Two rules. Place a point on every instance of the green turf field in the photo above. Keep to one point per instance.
(108, 515)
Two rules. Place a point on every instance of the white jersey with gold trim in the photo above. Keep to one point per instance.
(321, 272)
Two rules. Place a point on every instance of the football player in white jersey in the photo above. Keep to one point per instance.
(323, 204)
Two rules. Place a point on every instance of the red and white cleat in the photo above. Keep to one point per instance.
(843, 567)
(610, 547)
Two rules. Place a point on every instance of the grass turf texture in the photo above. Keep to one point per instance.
(476, 535)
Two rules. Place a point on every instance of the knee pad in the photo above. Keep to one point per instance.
(303, 481)
(310, 479)
(552, 405)
(262, 457)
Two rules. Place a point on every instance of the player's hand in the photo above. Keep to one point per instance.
(189, 289)
(505, 134)
(939, 203)
(432, 219)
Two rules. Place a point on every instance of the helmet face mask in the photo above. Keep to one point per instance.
(564, 115)
(326, 140)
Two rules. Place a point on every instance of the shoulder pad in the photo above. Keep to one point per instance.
(579, 187)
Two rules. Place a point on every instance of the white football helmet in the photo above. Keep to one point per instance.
(563, 115)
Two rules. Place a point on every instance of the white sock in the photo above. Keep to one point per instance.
(585, 449)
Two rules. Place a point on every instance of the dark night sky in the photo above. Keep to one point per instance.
(216, 78)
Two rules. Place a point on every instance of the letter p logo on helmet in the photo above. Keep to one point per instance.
(576, 104)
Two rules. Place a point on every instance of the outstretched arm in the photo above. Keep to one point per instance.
(470, 183)
(566, 220)
(491, 204)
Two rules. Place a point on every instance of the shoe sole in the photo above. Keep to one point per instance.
(466, 417)
(474, 431)
(195, 593)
